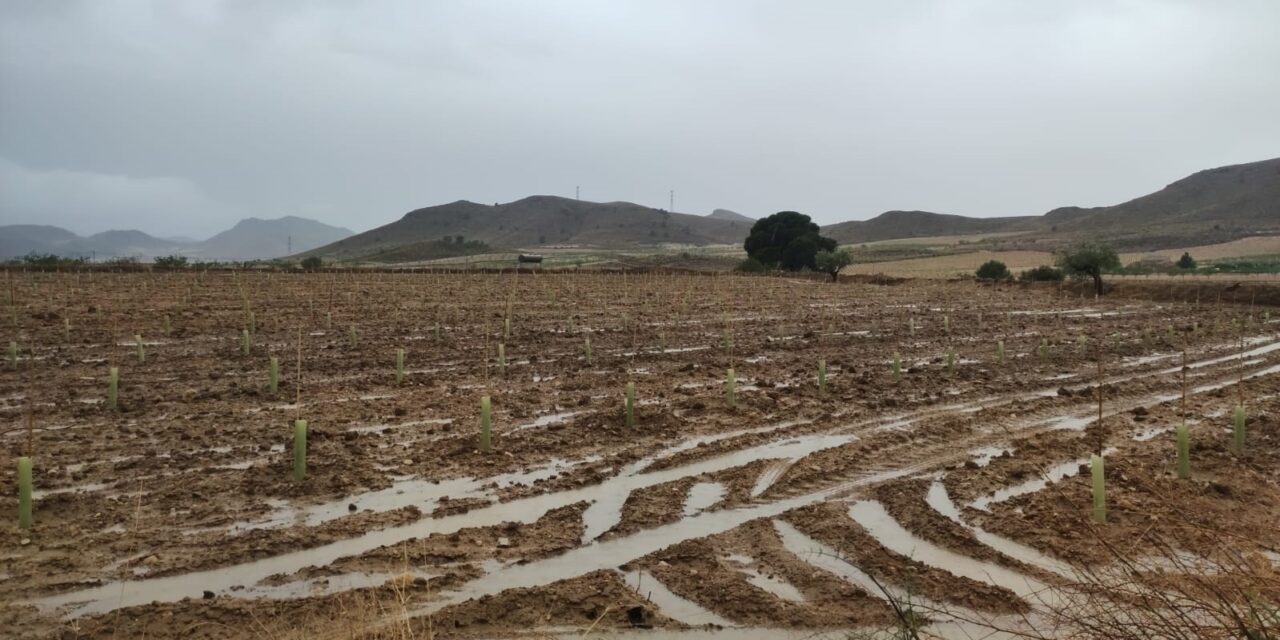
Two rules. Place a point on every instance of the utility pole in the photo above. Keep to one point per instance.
(577, 193)
(672, 206)
(290, 246)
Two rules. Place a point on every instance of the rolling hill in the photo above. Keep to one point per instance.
(892, 225)
(21, 239)
(249, 239)
(1211, 206)
(1215, 205)
(725, 214)
(533, 222)
(254, 238)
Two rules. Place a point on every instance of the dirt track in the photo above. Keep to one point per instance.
(177, 515)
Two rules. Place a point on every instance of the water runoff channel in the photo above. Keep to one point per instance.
(606, 499)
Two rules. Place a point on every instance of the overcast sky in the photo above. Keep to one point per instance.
(181, 117)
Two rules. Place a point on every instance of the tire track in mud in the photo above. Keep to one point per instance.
(925, 461)
(898, 459)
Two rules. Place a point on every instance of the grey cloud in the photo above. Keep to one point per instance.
(87, 202)
(361, 111)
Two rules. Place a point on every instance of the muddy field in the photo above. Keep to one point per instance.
(957, 489)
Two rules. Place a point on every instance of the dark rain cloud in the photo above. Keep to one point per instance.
(180, 117)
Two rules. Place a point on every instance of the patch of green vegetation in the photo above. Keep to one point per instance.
(34, 259)
(994, 270)
(1042, 273)
(446, 247)
(1251, 264)
(170, 262)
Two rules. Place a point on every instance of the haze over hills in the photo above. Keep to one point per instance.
(257, 238)
(1215, 205)
(532, 222)
(249, 239)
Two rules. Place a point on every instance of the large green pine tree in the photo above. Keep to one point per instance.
(787, 240)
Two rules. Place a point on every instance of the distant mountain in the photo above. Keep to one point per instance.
(536, 221)
(127, 243)
(21, 239)
(249, 239)
(1211, 206)
(1215, 205)
(892, 225)
(725, 214)
(254, 238)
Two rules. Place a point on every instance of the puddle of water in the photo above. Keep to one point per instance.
(1226, 383)
(547, 420)
(1045, 312)
(823, 557)
(331, 584)
(611, 553)
(903, 424)
(91, 487)
(769, 476)
(606, 511)
(1070, 423)
(703, 496)
(366, 428)
(628, 354)
(239, 466)
(776, 586)
(1252, 353)
(670, 604)
(598, 555)
(1052, 474)
(1141, 360)
(602, 515)
(940, 501)
(983, 456)
(1148, 434)
(698, 441)
(426, 494)
(894, 537)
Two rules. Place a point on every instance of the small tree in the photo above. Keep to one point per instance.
(751, 265)
(311, 263)
(1186, 261)
(1089, 259)
(993, 270)
(831, 262)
